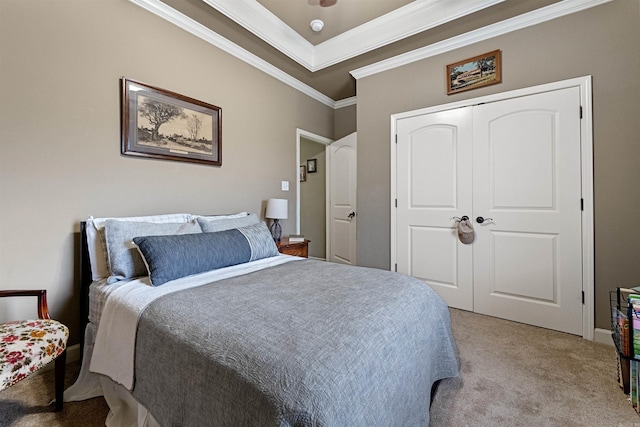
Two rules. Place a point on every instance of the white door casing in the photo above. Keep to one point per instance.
(501, 252)
(300, 134)
(342, 211)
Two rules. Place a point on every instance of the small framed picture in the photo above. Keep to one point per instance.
(311, 166)
(303, 173)
(472, 73)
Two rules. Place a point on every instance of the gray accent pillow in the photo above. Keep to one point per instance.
(172, 257)
(124, 260)
(222, 224)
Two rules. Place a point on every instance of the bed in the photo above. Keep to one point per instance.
(198, 320)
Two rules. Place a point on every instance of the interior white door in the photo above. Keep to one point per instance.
(527, 178)
(516, 164)
(433, 180)
(342, 164)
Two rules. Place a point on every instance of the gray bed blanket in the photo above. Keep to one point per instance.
(306, 343)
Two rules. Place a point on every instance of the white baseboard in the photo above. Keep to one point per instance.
(603, 336)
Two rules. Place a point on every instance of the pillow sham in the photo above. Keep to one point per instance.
(172, 257)
(213, 225)
(124, 260)
(97, 247)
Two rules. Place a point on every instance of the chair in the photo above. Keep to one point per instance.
(28, 345)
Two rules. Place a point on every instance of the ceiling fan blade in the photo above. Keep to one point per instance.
(327, 3)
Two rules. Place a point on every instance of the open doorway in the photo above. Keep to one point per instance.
(311, 209)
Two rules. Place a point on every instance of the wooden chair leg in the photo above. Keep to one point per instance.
(60, 365)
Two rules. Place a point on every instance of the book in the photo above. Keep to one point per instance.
(295, 238)
(636, 380)
(634, 383)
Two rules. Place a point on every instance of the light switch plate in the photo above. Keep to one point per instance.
(285, 185)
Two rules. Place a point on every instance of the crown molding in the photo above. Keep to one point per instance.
(548, 13)
(556, 10)
(406, 21)
(256, 18)
(346, 102)
(399, 24)
(171, 15)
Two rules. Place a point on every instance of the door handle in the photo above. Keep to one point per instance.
(351, 215)
(480, 219)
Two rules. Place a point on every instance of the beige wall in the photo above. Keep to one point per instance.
(313, 217)
(345, 121)
(602, 42)
(60, 65)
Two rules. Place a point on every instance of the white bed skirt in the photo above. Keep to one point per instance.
(124, 410)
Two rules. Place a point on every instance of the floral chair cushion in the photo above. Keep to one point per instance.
(28, 345)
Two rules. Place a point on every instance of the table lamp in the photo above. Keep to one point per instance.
(277, 209)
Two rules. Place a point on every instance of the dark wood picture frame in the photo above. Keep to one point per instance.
(161, 124)
(479, 71)
(312, 166)
(303, 173)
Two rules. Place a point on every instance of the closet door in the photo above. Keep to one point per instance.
(513, 167)
(433, 180)
(528, 257)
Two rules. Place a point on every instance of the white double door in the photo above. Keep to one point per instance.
(516, 163)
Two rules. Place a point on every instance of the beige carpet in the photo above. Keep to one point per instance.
(25, 404)
(512, 375)
(519, 375)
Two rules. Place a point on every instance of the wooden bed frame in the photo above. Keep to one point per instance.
(85, 281)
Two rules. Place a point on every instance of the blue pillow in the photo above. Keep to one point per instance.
(172, 257)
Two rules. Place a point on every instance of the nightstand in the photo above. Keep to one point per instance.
(293, 248)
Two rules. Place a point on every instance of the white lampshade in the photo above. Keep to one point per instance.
(277, 209)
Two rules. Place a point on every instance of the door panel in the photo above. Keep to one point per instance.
(434, 186)
(433, 256)
(522, 153)
(515, 275)
(528, 258)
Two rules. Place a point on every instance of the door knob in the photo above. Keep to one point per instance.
(351, 214)
(480, 219)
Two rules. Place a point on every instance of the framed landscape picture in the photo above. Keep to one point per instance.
(161, 124)
(479, 71)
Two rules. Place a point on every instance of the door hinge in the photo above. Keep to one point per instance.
(582, 297)
(396, 203)
(396, 138)
(396, 268)
(581, 204)
(581, 111)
